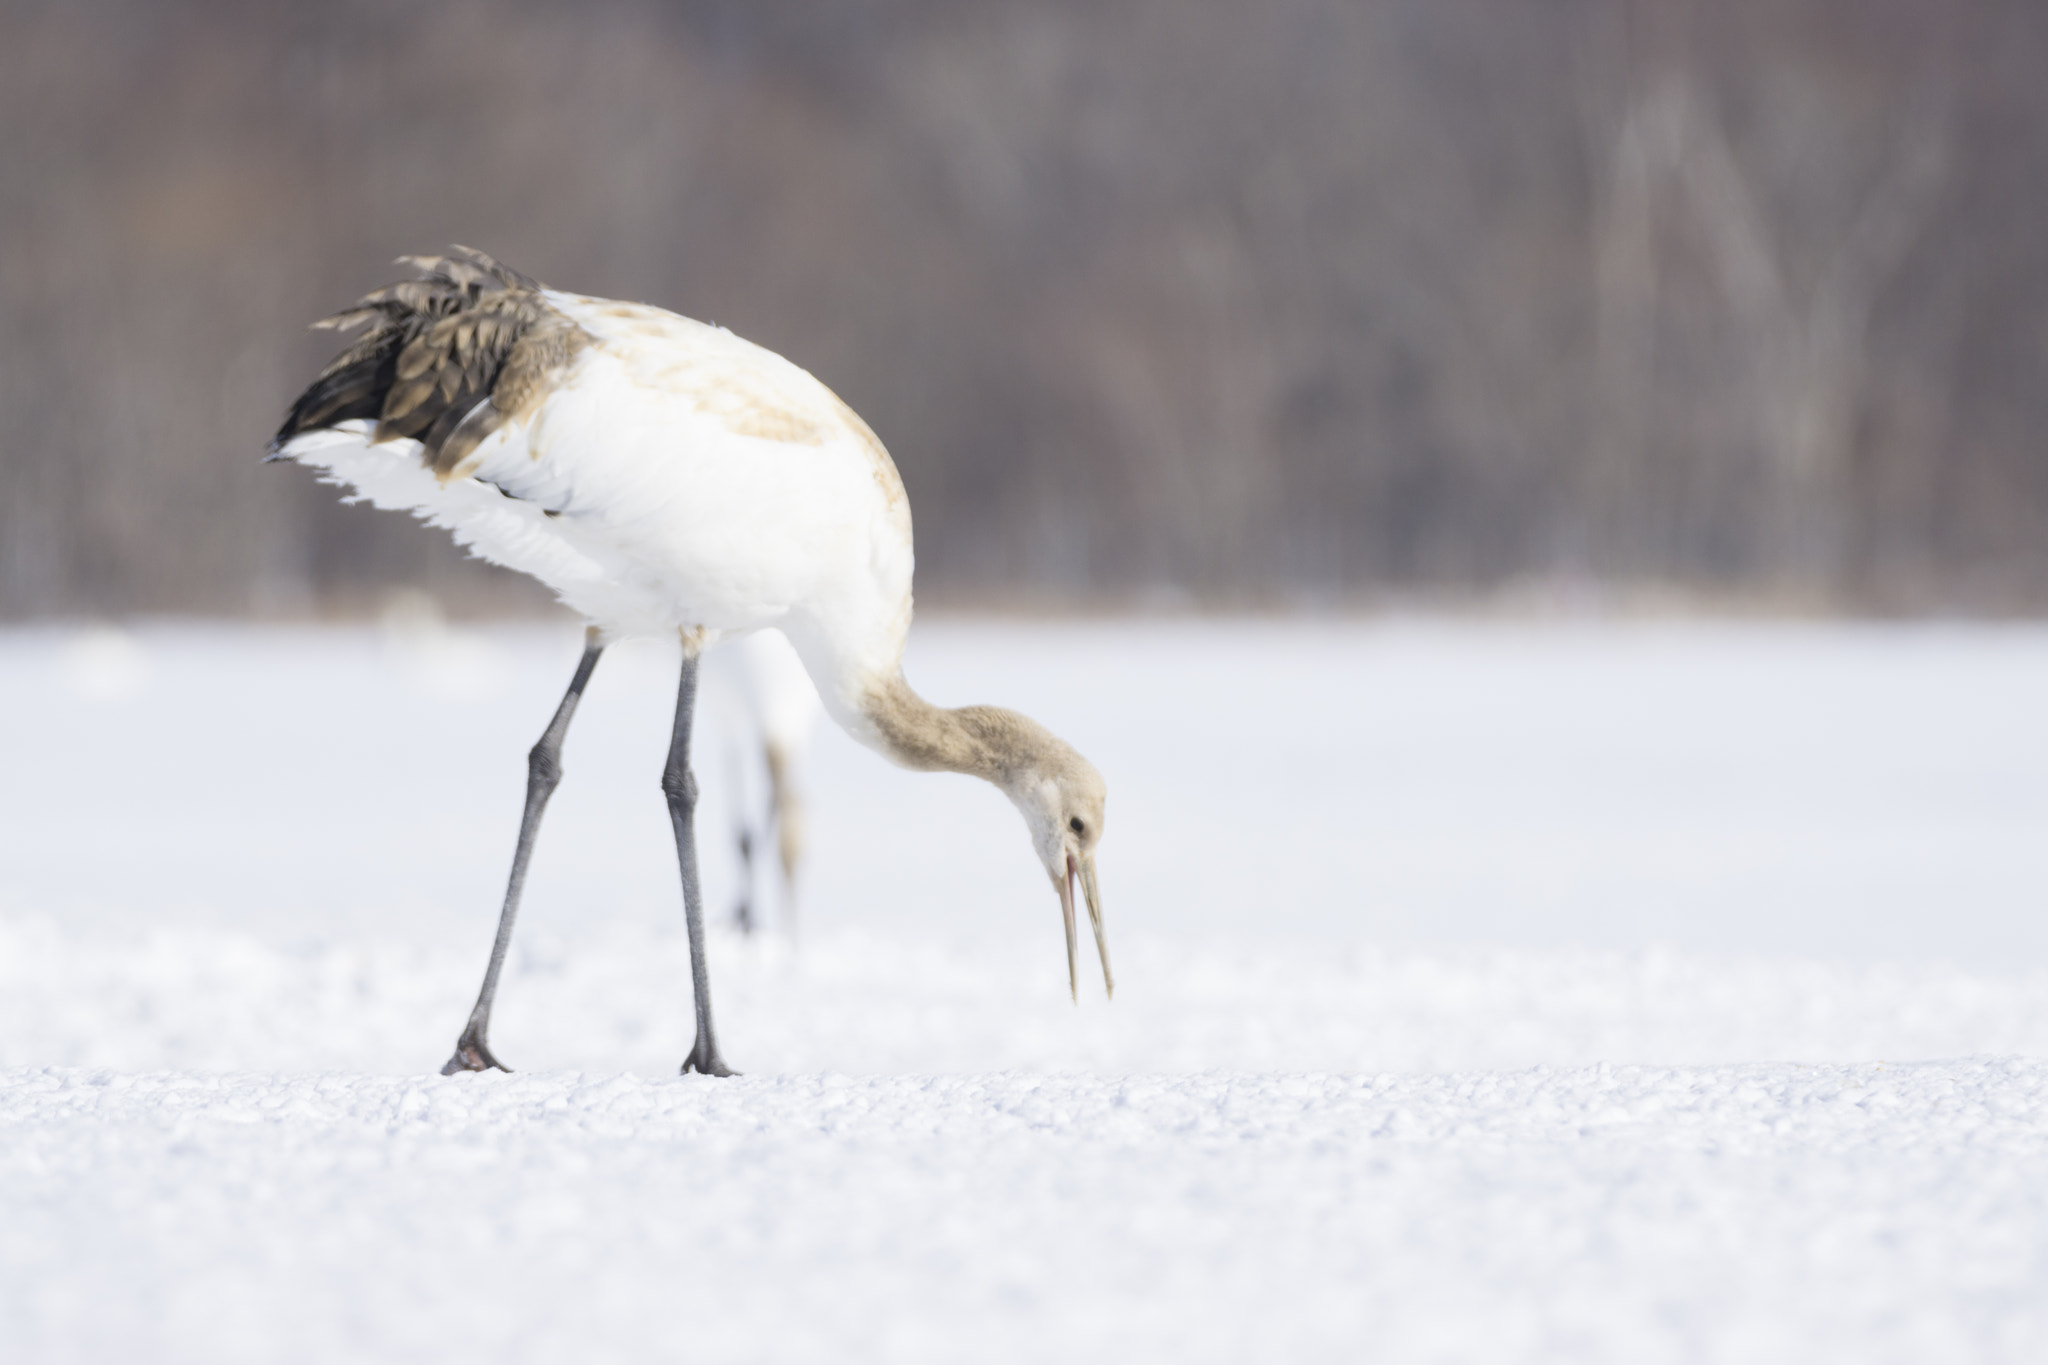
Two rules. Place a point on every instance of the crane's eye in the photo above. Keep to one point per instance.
(1077, 826)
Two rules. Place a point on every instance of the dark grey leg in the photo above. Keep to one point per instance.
(543, 774)
(743, 837)
(680, 786)
(743, 911)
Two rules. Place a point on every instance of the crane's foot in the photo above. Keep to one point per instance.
(472, 1053)
(706, 1061)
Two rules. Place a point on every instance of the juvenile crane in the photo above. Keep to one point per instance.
(664, 477)
(782, 708)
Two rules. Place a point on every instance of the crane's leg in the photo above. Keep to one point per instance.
(680, 786)
(743, 838)
(543, 774)
(743, 910)
(787, 813)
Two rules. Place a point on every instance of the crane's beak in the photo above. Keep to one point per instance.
(1083, 865)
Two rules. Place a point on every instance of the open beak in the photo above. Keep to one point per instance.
(1084, 867)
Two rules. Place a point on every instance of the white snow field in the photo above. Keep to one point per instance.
(1487, 992)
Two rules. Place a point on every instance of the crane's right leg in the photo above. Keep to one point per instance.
(543, 774)
(679, 785)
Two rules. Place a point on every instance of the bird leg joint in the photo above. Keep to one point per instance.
(679, 784)
(544, 766)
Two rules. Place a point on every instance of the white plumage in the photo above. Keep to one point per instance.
(644, 491)
(665, 477)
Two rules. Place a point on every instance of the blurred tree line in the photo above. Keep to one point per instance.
(1300, 300)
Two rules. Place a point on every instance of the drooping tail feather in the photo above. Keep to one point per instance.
(447, 358)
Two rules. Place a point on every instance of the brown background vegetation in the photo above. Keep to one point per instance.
(1300, 300)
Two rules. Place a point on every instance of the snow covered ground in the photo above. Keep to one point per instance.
(1487, 991)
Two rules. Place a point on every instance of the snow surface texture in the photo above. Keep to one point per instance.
(1486, 992)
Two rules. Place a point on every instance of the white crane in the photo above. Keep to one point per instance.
(782, 709)
(664, 477)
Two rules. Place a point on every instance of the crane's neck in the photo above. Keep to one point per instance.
(988, 742)
(859, 676)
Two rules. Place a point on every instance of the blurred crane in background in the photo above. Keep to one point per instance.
(782, 709)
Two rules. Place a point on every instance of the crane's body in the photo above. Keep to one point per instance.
(664, 477)
(674, 478)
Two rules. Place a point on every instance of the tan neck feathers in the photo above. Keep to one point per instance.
(982, 741)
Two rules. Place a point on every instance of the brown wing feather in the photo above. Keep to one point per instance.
(448, 358)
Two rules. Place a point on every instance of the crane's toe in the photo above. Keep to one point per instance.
(473, 1054)
(705, 1061)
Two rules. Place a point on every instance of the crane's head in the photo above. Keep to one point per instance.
(1061, 796)
(1059, 792)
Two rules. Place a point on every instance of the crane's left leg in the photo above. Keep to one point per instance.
(680, 786)
(543, 773)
